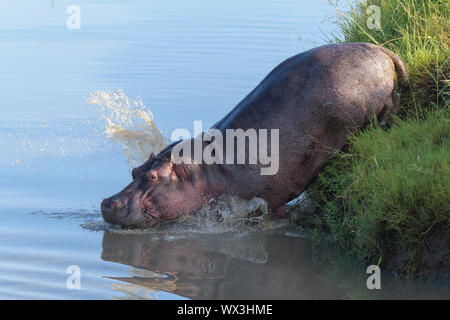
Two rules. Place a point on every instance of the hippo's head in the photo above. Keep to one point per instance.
(160, 191)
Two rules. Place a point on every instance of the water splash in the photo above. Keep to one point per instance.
(130, 124)
(124, 121)
(230, 213)
(30, 142)
(225, 214)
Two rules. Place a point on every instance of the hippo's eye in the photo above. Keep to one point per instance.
(152, 176)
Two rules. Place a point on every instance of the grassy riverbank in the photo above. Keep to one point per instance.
(386, 197)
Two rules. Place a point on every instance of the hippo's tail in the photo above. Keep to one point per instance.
(400, 67)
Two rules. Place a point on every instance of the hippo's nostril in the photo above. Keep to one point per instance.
(116, 204)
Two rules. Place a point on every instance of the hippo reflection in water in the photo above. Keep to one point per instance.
(217, 266)
(251, 266)
(314, 100)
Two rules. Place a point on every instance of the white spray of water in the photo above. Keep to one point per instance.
(230, 213)
(130, 124)
(51, 139)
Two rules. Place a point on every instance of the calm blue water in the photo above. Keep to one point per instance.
(186, 60)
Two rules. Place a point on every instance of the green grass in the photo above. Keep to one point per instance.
(386, 197)
(390, 191)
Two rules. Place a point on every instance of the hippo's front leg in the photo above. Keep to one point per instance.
(279, 212)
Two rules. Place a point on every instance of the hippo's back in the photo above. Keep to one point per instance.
(313, 99)
(327, 80)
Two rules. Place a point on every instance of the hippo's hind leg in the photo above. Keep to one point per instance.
(389, 108)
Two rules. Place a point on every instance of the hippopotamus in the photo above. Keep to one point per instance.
(314, 99)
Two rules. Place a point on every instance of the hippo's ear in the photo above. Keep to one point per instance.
(171, 161)
(181, 171)
(137, 171)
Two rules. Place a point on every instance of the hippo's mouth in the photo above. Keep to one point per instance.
(149, 210)
(145, 216)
